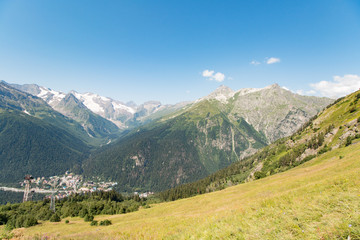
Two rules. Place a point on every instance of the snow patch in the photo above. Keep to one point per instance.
(90, 100)
(118, 106)
(26, 112)
(51, 95)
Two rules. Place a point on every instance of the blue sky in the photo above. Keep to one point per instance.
(181, 50)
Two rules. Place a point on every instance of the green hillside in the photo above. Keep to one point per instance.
(36, 140)
(309, 189)
(169, 152)
(316, 200)
(13, 99)
(336, 126)
(29, 145)
(201, 138)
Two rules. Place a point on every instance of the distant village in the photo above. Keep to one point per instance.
(69, 183)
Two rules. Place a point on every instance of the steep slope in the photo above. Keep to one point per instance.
(108, 108)
(273, 110)
(29, 145)
(94, 125)
(201, 138)
(124, 115)
(13, 99)
(68, 105)
(183, 148)
(35, 139)
(317, 200)
(337, 126)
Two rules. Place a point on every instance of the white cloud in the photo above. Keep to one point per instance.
(207, 73)
(254, 62)
(272, 60)
(211, 75)
(219, 77)
(339, 87)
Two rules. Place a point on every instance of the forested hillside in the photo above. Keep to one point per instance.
(35, 139)
(198, 140)
(182, 149)
(29, 145)
(336, 126)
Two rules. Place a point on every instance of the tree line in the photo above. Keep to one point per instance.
(85, 205)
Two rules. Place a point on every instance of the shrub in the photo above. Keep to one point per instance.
(357, 96)
(88, 218)
(3, 219)
(348, 141)
(55, 218)
(29, 221)
(308, 158)
(94, 223)
(106, 222)
(324, 149)
(67, 221)
(259, 175)
(83, 212)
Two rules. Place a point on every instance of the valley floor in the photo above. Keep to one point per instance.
(317, 200)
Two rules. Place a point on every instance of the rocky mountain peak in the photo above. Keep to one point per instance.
(71, 98)
(222, 94)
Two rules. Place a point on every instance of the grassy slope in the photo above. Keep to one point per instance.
(317, 200)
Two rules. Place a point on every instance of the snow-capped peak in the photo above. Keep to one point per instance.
(50, 96)
(101, 105)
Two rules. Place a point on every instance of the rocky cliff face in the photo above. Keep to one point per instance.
(95, 125)
(274, 111)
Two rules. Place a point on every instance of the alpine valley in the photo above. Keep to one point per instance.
(147, 147)
(307, 187)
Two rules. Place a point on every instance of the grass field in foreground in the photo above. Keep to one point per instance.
(317, 200)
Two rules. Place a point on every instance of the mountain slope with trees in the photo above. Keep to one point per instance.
(35, 139)
(337, 126)
(200, 139)
(182, 149)
(32, 146)
(309, 189)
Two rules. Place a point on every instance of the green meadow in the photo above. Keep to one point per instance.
(316, 200)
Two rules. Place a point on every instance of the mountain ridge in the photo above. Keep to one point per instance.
(210, 134)
(124, 115)
(316, 199)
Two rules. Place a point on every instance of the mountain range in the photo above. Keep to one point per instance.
(150, 146)
(304, 186)
(123, 115)
(205, 136)
(36, 139)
